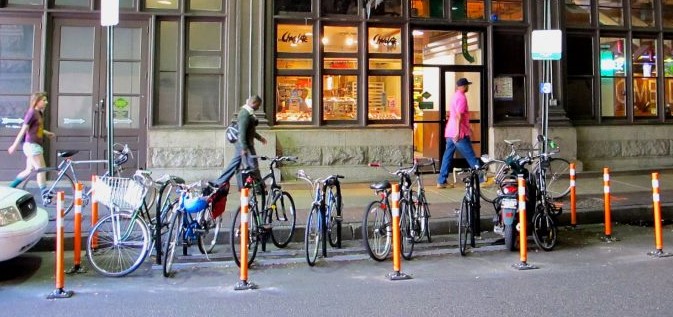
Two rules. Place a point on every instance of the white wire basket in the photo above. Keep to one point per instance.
(119, 193)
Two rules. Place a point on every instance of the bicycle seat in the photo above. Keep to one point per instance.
(67, 154)
(380, 185)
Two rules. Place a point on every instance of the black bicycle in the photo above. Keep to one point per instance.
(470, 208)
(275, 219)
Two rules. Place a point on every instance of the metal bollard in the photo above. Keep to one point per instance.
(60, 276)
(397, 250)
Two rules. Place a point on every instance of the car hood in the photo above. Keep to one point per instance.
(8, 192)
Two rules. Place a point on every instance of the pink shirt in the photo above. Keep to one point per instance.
(458, 104)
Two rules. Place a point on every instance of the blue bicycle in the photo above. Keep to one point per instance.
(324, 220)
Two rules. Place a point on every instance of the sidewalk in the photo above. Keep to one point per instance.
(630, 201)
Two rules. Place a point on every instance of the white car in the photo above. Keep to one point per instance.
(22, 223)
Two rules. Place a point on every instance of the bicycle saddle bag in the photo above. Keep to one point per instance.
(218, 200)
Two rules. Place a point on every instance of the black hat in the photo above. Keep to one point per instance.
(462, 82)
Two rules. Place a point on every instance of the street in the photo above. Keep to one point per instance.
(584, 276)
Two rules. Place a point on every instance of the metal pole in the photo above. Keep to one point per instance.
(109, 101)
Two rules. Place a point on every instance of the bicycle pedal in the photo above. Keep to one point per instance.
(338, 218)
(266, 226)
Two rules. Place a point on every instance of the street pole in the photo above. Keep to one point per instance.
(109, 17)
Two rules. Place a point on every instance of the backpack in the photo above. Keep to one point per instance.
(232, 132)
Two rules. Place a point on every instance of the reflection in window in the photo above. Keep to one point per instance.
(509, 74)
(667, 14)
(339, 97)
(642, 13)
(611, 12)
(293, 38)
(385, 40)
(204, 72)
(580, 82)
(613, 72)
(385, 63)
(205, 5)
(446, 47)
(578, 12)
(384, 97)
(340, 39)
(644, 77)
(387, 8)
(507, 10)
(16, 73)
(294, 98)
(427, 8)
(349, 7)
(467, 10)
(161, 4)
(289, 6)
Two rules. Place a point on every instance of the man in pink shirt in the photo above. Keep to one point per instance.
(457, 132)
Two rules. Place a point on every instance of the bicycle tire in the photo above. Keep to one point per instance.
(494, 173)
(175, 239)
(211, 232)
(376, 230)
(167, 199)
(464, 227)
(424, 215)
(283, 220)
(406, 239)
(312, 235)
(64, 184)
(253, 236)
(130, 251)
(544, 231)
(150, 197)
(557, 177)
(335, 218)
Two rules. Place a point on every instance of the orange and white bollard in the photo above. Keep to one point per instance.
(573, 198)
(60, 250)
(94, 211)
(658, 235)
(397, 250)
(606, 201)
(77, 245)
(243, 283)
(523, 224)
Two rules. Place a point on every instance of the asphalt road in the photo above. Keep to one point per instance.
(584, 276)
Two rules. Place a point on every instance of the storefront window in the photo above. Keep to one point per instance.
(427, 8)
(613, 77)
(667, 14)
(509, 76)
(580, 80)
(205, 5)
(668, 78)
(385, 40)
(578, 12)
(507, 10)
(384, 97)
(17, 62)
(447, 47)
(385, 63)
(392, 8)
(339, 97)
(426, 93)
(644, 77)
(294, 98)
(467, 10)
(293, 38)
(340, 39)
(290, 6)
(160, 4)
(349, 7)
(204, 72)
(642, 13)
(611, 12)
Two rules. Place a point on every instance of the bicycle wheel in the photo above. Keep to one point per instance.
(117, 244)
(211, 231)
(283, 216)
(48, 199)
(376, 230)
(494, 171)
(406, 239)
(235, 236)
(174, 240)
(312, 236)
(423, 211)
(464, 227)
(334, 207)
(557, 177)
(544, 231)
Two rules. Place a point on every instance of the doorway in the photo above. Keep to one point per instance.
(78, 89)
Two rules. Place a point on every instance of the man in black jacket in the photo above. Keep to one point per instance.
(245, 146)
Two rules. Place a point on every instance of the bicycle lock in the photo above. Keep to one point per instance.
(396, 274)
(77, 243)
(523, 223)
(658, 235)
(60, 234)
(243, 283)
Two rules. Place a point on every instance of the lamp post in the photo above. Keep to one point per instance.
(109, 17)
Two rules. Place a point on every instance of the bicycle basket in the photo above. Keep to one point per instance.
(120, 193)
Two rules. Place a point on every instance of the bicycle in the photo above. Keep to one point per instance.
(544, 219)
(419, 211)
(64, 177)
(557, 174)
(277, 218)
(192, 221)
(469, 214)
(118, 243)
(324, 220)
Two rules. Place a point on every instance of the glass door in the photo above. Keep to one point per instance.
(78, 112)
